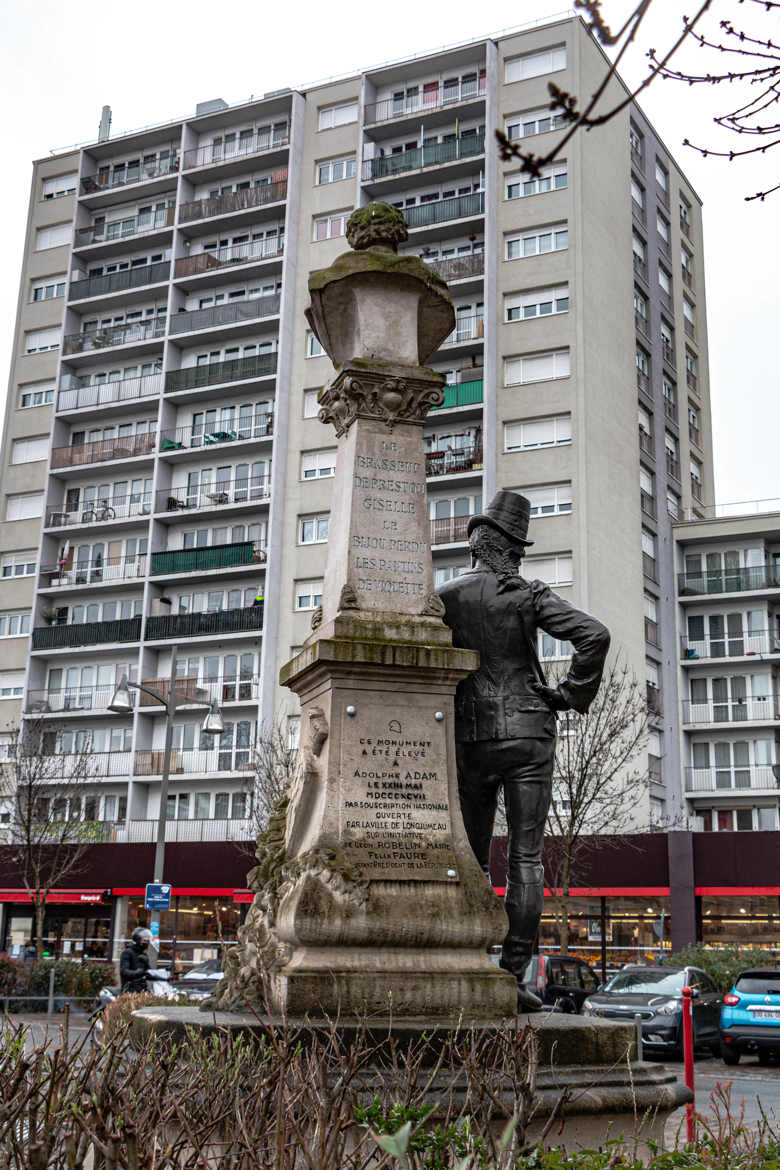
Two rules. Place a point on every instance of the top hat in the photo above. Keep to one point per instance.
(509, 512)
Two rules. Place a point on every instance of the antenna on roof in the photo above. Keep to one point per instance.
(104, 129)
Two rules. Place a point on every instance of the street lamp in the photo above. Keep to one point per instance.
(213, 724)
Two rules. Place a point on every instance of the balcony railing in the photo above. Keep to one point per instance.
(176, 832)
(461, 394)
(685, 227)
(640, 322)
(86, 634)
(238, 201)
(100, 511)
(194, 625)
(696, 489)
(651, 632)
(216, 556)
(78, 393)
(765, 576)
(694, 434)
(673, 466)
(666, 299)
(642, 382)
(687, 277)
(424, 156)
(638, 156)
(756, 642)
(761, 709)
(129, 333)
(191, 689)
(667, 349)
(690, 328)
(122, 228)
(758, 777)
(639, 213)
(239, 491)
(449, 530)
(237, 370)
(89, 698)
(646, 443)
(452, 462)
(98, 286)
(88, 766)
(466, 329)
(233, 254)
(692, 380)
(98, 569)
(194, 762)
(442, 210)
(186, 438)
(424, 102)
(103, 450)
(246, 310)
(640, 266)
(91, 184)
(648, 503)
(654, 705)
(459, 267)
(201, 156)
(670, 409)
(649, 567)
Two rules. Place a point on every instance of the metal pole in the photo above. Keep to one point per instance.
(159, 849)
(687, 1004)
(50, 1005)
(638, 1026)
(603, 939)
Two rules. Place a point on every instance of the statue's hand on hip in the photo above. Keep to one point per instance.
(552, 697)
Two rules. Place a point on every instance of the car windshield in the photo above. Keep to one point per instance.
(647, 981)
(758, 983)
(210, 967)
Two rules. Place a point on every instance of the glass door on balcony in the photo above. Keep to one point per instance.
(729, 699)
(235, 746)
(450, 517)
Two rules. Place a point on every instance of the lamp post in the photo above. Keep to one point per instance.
(213, 724)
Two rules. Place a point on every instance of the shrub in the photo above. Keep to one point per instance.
(118, 1013)
(13, 975)
(722, 964)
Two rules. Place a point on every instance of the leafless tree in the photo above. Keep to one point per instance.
(274, 762)
(752, 72)
(47, 795)
(599, 777)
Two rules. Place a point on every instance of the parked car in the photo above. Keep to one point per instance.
(655, 994)
(201, 981)
(750, 1016)
(562, 982)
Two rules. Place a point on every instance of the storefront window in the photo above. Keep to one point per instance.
(635, 928)
(196, 928)
(741, 921)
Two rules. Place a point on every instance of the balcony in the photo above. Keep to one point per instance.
(425, 102)
(442, 210)
(196, 625)
(217, 153)
(692, 380)
(640, 267)
(670, 408)
(646, 443)
(687, 277)
(449, 530)
(459, 267)
(461, 394)
(765, 576)
(453, 462)
(239, 491)
(238, 201)
(690, 329)
(216, 556)
(637, 156)
(643, 382)
(190, 689)
(204, 262)
(749, 779)
(694, 434)
(130, 333)
(652, 636)
(92, 184)
(685, 227)
(667, 349)
(53, 702)
(104, 233)
(755, 643)
(80, 393)
(638, 212)
(100, 511)
(194, 762)
(113, 282)
(99, 570)
(763, 709)
(673, 466)
(666, 299)
(422, 157)
(696, 489)
(650, 567)
(230, 314)
(86, 634)
(103, 450)
(91, 766)
(176, 832)
(647, 503)
(653, 695)
(467, 329)
(263, 365)
(640, 323)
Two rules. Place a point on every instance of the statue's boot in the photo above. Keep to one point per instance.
(523, 903)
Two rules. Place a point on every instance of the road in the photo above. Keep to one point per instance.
(753, 1087)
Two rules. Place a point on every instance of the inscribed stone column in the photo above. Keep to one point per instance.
(369, 899)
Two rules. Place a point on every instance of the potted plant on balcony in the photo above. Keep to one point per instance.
(49, 615)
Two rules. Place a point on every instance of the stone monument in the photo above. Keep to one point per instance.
(369, 900)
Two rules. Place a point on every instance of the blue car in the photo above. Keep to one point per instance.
(750, 1016)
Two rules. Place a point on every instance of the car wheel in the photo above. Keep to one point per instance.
(567, 1005)
(730, 1055)
(764, 1056)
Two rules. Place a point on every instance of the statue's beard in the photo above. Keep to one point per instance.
(494, 551)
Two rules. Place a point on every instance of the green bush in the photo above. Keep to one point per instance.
(722, 964)
(13, 975)
(82, 980)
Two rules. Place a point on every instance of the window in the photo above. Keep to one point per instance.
(537, 432)
(24, 507)
(20, 564)
(535, 64)
(662, 225)
(327, 227)
(685, 215)
(646, 481)
(637, 193)
(688, 311)
(30, 450)
(40, 340)
(318, 464)
(444, 573)
(538, 302)
(53, 237)
(551, 500)
(662, 177)
(673, 504)
(60, 185)
(313, 347)
(338, 115)
(36, 394)
(538, 367)
(532, 122)
(308, 594)
(665, 281)
(14, 625)
(47, 289)
(667, 342)
(552, 570)
(550, 649)
(552, 178)
(335, 169)
(293, 728)
(645, 420)
(11, 684)
(311, 407)
(537, 242)
(640, 310)
(313, 529)
(642, 363)
(636, 141)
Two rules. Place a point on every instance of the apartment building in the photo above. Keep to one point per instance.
(181, 471)
(728, 613)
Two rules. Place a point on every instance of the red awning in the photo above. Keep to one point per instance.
(79, 897)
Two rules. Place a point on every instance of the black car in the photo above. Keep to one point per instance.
(655, 994)
(562, 982)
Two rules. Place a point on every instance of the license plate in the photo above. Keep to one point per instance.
(766, 1014)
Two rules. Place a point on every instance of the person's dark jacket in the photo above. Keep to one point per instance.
(133, 965)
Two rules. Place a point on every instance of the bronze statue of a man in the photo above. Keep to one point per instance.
(505, 712)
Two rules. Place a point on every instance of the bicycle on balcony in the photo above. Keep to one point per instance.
(104, 512)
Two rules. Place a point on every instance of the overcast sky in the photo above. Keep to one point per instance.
(62, 62)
